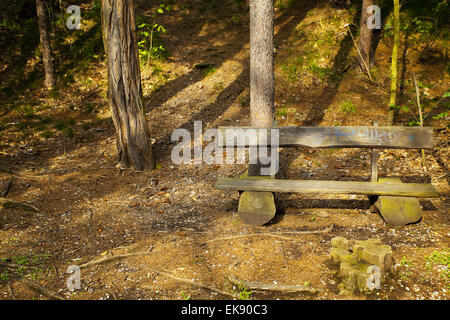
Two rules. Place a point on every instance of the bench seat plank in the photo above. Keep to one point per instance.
(422, 190)
(345, 137)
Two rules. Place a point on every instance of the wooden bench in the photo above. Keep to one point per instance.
(396, 201)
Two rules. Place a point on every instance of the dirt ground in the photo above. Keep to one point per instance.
(89, 208)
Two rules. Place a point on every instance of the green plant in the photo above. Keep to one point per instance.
(21, 271)
(405, 262)
(11, 241)
(243, 100)
(209, 71)
(185, 296)
(69, 132)
(282, 112)
(441, 116)
(46, 134)
(22, 260)
(4, 276)
(442, 259)
(320, 72)
(149, 47)
(404, 275)
(236, 19)
(292, 67)
(218, 86)
(242, 292)
(348, 107)
(60, 125)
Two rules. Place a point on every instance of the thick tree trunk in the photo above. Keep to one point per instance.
(47, 58)
(124, 80)
(262, 86)
(365, 37)
(392, 100)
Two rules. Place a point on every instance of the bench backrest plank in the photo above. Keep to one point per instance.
(344, 137)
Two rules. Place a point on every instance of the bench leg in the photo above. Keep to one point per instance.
(398, 211)
(256, 208)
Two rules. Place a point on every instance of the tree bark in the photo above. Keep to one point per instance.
(47, 58)
(392, 100)
(365, 37)
(262, 85)
(124, 84)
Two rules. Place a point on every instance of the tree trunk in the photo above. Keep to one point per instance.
(47, 58)
(365, 37)
(124, 84)
(262, 85)
(392, 100)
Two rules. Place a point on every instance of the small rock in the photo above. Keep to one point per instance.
(323, 214)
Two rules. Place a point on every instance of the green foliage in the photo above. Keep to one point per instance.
(66, 127)
(413, 123)
(46, 134)
(405, 262)
(244, 100)
(441, 115)
(150, 46)
(242, 293)
(348, 107)
(441, 259)
(69, 132)
(280, 4)
(22, 260)
(427, 21)
(185, 296)
(282, 112)
(60, 125)
(447, 68)
(4, 276)
(292, 68)
(236, 19)
(320, 72)
(209, 71)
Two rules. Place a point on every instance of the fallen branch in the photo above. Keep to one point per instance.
(271, 287)
(11, 291)
(10, 265)
(366, 64)
(11, 203)
(41, 289)
(191, 282)
(110, 258)
(424, 159)
(271, 234)
(5, 190)
(326, 230)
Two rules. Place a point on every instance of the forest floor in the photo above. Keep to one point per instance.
(59, 153)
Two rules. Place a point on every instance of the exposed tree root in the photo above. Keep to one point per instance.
(272, 287)
(273, 234)
(111, 258)
(11, 203)
(191, 282)
(41, 289)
